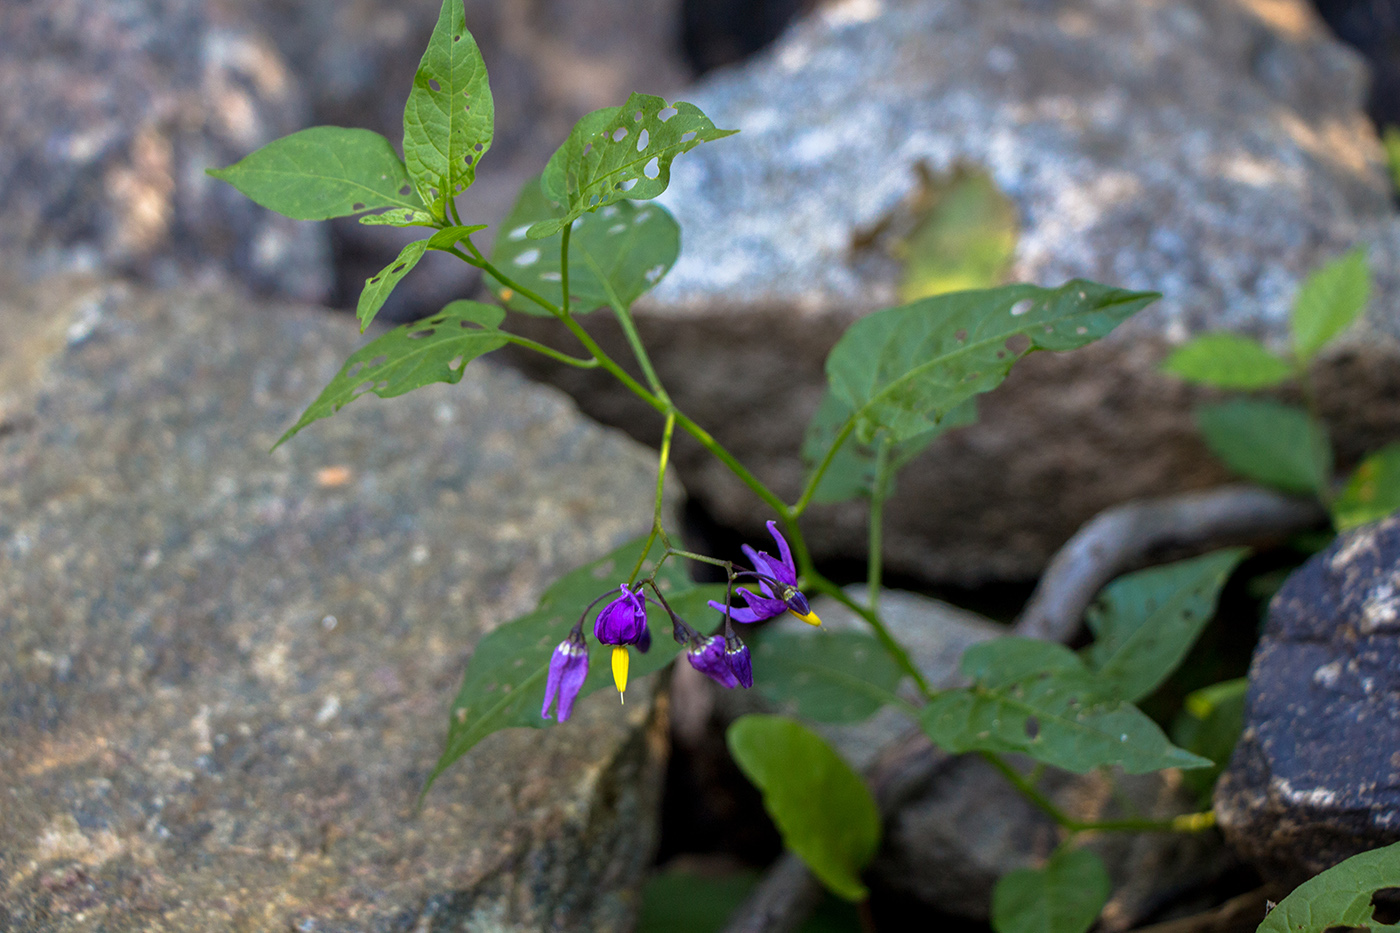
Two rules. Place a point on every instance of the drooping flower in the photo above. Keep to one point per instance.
(568, 669)
(620, 623)
(707, 656)
(737, 654)
(777, 582)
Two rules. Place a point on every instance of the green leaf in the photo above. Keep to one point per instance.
(450, 117)
(400, 217)
(1339, 897)
(1227, 361)
(1038, 699)
(1269, 442)
(1329, 301)
(436, 349)
(905, 368)
(381, 284)
(1065, 896)
(824, 676)
(966, 239)
(323, 172)
(503, 685)
(619, 252)
(1391, 139)
(620, 153)
(822, 808)
(1209, 724)
(1372, 493)
(1144, 623)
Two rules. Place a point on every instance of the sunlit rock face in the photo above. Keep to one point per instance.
(1214, 152)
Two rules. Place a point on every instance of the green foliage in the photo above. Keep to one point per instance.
(1339, 897)
(381, 284)
(1209, 724)
(1228, 361)
(967, 239)
(903, 369)
(824, 676)
(1329, 301)
(323, 172)
(1269, 442)
(1064, 896)
(616, 254)
(1391, 139)
(450, 117)
(400, 217)
(620, 153)
(822, 808)
(680, 901)
(1145, 622)
(436, 349)
(1372, 493)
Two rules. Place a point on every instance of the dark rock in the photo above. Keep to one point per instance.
(226, 672)
(1315, 778)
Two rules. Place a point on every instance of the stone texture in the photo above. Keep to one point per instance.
(112, 111)
(226, 672)
(1214, 151)
(1316, 776)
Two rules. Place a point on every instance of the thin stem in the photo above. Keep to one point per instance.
(661, 463)
(629, 328)
(482, 263)
(564, 268)
(735, 467)
(452, 206)
(550, 351)
(877, 515)
(815, 479)
(882, 634)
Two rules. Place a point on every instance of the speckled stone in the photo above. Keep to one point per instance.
(1315, 778)
(227, 672)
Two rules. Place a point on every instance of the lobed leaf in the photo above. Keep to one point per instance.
(1227, 361)
(618, 253)
(323, 172)
(379, 286)
(1063, 896)
(1340, 897)
(1269, 442)
(436, 349)
(824, 676)
(1372, 493)
(822, 808)
(620, 153)
(449, 118)
(903, 369)
(1329, 301)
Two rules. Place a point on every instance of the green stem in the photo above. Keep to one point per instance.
(452, 206)
(815, 479)
(735, 467)
(634, 340)
(662, 461)
(550, 351)
(480, 262)
(877, 516)
(564, 269)
(896, 651)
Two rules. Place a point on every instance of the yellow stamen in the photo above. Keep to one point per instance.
(810, 618)
(619, 665)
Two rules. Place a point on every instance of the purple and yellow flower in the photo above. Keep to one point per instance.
(568, 669)
(777, 583)
(620, 623)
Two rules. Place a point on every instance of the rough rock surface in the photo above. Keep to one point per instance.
(110, 114)
(1213, 151)
(226, 672)
(1316, 776)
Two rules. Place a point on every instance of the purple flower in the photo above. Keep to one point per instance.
(568, 668)
(777, 582)
(624, 620)
(737, 654)
(707, 656)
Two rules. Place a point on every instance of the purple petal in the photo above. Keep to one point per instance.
(784, 550)
(574, 676)
(708, 657)
(740, 663)
(622, 621)
(568, 668)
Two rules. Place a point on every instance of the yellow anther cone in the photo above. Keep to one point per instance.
(810, 618)
(620, 660)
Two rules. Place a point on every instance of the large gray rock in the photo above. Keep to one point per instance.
(1315, 778)
(226, 672)
(1214, 151)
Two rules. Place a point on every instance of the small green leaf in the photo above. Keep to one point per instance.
(620, 153)
(1065, 896)
(399, 217)
(323, 172)
(381, 284)
(1339, 897)
(1372, 493)
(822, 808)
(1227, 361)
(824, 676)
(450, 117)
(966, 239)
(1145, 622)
(905, 368)
(1269, 442)
(1209, 724)
(1329, 301)
(619, 252)
(436, 349)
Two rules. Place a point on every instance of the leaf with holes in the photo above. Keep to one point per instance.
(821, 807)
(1269, 442)
(450, 117)
(1372, 493)
(323, 172)
(381, 284)
(1227, 361)
(903, 369)
(1063, 896)
(1145, 622)
(436, 349)
(1038, 699)
(1340, 897)
(619, 252)
(503, 685)
(620, 153)
(824, 676)
(399, 217)
(1329, 301)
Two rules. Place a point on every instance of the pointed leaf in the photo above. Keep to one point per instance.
(620, 153)
(400, 217)
(1065, 896)
(1227, 361)
(436, 349)
(619, 252)
(905, 368)
(379, 286)
(449, 119)
(1209, 724)
(1329, 301)
(323, 172)
(1372, 493)
(1340, 897)
(824, 676)
(1269, 442)
(822, 808)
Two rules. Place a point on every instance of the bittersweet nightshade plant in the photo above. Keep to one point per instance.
(568, 668)
(777, 582)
